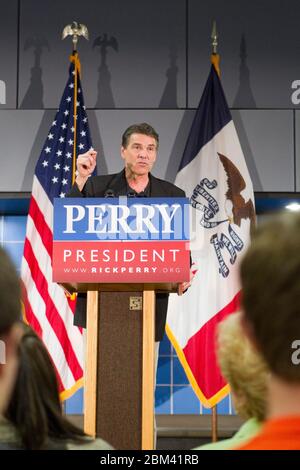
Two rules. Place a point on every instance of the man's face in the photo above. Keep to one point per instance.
(140, 154)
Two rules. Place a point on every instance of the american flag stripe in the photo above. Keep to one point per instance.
(48, 294)
(37, 304)
(37, 223)
(44, 203)
(47, 309)
(30, 317)
(38, 244)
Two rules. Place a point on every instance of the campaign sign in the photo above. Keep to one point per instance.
(121, 240)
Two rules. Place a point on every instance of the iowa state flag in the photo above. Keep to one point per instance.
(214, 175)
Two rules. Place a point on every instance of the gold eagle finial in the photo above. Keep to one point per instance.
(75, 30)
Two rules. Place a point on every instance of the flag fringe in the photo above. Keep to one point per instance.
(70, 391)
(207, 402)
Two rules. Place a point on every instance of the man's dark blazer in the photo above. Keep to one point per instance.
(115, 186)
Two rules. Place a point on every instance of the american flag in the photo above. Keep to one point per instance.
(47, 309)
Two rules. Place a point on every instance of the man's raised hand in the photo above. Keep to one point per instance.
(86, 163)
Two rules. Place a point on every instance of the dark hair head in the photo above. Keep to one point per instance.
(10, 295)
(35, 408)
(270, 273)
(142, 128)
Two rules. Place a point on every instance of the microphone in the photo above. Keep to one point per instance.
(131, 193)
(109, 193)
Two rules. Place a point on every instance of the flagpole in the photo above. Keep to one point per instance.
(215, 60)
(214, 424)
(75, 30)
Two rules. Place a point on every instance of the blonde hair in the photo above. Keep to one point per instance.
(243, 368)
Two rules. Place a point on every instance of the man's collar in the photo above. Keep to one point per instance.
(147, 189)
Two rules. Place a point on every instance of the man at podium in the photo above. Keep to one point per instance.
(139, 151)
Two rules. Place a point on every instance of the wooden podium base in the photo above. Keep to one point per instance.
(119, 376)
(119, 367)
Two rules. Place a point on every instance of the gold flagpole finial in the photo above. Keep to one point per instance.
(214, 38)
(75, 30)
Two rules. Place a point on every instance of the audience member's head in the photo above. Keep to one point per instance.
(35, 408)
(10, 312)
(243, 368)
(270, 273)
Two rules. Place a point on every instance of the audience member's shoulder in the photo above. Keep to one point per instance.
(9, 438)
(90, 444)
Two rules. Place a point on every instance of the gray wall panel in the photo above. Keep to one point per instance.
(22, 135)
(149, 55)
(266, 138)
(267, 141)
(8, 53)
(259, 46)
(147, 70)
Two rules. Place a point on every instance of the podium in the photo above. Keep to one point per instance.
(119, 366)
(120, 253)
